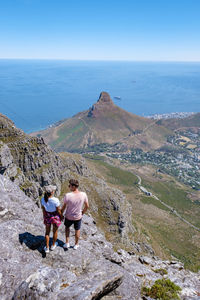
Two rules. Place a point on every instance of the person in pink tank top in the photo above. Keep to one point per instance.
(75, 205)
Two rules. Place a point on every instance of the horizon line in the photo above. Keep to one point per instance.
(104, 60)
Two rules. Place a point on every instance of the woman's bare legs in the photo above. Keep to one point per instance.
(48, 229)
(55, 233)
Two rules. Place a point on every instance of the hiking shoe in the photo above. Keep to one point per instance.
(46, 250)
(66, 245)
(76, 247)
(54, 246)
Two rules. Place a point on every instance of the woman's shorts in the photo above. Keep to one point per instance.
(52, 218)
(77, 223)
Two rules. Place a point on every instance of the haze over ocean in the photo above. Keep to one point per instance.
(38, 93)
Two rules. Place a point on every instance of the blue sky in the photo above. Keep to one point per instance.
(152, 30)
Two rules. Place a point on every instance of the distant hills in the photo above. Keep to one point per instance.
(175, 124)
(105, 122)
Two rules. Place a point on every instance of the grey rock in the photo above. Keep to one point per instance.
(146, 260)
(28, 161)
(113, 257)
(44, 283)
(93, 287)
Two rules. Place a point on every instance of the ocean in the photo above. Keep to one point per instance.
(38, 93)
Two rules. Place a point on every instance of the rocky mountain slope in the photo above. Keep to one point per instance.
(94, 271)
(28, 161)
(105, 122)
(31, 164)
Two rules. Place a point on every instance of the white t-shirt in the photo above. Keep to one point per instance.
(51, 204)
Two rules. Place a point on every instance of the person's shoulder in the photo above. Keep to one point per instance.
(42, 200)
(55, 199)
(69, 194)
(84, 194)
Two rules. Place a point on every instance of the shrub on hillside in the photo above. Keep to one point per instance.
(161, 271)
(163, 289)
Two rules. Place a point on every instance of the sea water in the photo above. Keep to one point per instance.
(38, 93)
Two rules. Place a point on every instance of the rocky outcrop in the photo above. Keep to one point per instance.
(94, 271)
(103, 104)
(28, 161)
(8, 168)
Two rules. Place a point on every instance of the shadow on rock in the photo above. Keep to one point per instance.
(34, 242)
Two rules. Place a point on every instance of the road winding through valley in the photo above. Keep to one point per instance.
(144, 190)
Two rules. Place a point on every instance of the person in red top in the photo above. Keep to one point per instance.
(75, 205)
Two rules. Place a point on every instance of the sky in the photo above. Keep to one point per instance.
(138, 30)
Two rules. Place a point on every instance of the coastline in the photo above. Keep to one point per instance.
(173, 115)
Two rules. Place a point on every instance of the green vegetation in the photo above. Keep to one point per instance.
(161, 271)
(177, 242)
(176, 197)
(94, 157)
(97, 148)
(27, 184)
(19, 172)
(151, 200)
(115, 174)
(171, 194)
(190, 260)
(65, 132)
(163, 289)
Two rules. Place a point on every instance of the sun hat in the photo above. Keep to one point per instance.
(50, 188)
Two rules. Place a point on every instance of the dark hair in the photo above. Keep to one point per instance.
(74, 182)
(46, 196)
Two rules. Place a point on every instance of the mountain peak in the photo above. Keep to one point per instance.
(103, 103)
(104, 98)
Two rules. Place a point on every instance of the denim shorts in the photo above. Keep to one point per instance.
(77, 223)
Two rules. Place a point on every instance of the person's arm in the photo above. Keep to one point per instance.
(63, 207)
(86, 205)
(85, 208)
(59, 211)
